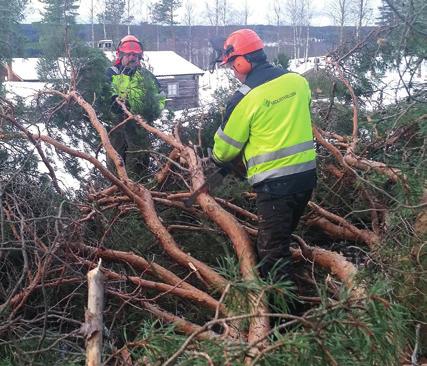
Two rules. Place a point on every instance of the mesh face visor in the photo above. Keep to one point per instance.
(130, 46)
(137, 55)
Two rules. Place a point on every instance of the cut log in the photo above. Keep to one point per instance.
(92, 328)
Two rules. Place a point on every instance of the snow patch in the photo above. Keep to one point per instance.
(24, 89)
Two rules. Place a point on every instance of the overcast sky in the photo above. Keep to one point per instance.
(260, 10)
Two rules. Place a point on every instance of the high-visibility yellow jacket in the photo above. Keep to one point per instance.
(138, 87)
(268, 119)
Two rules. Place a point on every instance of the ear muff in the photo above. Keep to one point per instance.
(242, 65)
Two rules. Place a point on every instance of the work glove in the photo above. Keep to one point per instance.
(224, 168)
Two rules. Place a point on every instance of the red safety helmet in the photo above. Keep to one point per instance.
(240, 43)
(129, 44)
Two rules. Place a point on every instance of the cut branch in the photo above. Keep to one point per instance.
(332, 223)
(92, 329)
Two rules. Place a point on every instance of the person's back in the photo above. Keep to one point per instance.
(270, 114)
(268, 122)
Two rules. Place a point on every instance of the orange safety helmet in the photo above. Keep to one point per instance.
(129, 44)
(241, 43)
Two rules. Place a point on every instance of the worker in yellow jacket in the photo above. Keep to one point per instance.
(267, 122)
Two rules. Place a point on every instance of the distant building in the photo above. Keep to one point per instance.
(106, 44)
(178, 78)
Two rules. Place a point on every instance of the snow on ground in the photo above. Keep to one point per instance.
(393, 86)
(26, 90)
(26, 68)
(210, 82)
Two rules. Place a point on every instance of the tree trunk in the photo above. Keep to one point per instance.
(307, 42)
(93, 318)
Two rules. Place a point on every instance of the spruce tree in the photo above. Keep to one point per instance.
(59, 18)
(60, 12)
(66, 60)
(164, 12)
(386, 16)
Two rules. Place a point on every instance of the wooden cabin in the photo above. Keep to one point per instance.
(178, 78)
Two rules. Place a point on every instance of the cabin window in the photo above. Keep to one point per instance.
(172, 89)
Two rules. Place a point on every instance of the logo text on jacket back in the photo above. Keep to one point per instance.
(269, 103)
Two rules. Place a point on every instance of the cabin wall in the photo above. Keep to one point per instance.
(181, 91)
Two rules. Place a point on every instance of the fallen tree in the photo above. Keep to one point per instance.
(181, 282)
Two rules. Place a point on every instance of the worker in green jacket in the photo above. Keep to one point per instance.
(138, 88)
(267, 122)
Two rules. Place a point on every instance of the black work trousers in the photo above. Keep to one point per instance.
(278, 218)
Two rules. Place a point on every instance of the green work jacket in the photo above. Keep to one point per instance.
(134, 86)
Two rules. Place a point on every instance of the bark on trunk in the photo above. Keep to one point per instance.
(93, 318)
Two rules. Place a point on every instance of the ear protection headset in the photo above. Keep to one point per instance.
(239, 63)
(238, 48)
(242, 65)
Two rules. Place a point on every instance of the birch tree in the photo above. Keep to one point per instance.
(340, 11)
(130, 6)
(188, 20)
(213, 13)
(113, 15)
(246, 12)
(363, 14)
(100, 14)
(300, 16)
(97, 12)
(308, 16)
(219, 13)
(276, 17)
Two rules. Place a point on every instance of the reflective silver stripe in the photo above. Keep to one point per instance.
(228, 139)
(281, 172)
(286, 151)
(115, 69)
(244, 89)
